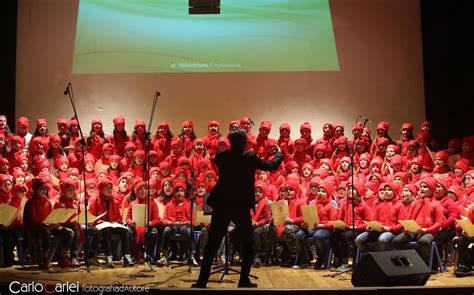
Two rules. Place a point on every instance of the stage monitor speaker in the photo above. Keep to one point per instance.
(391, 268)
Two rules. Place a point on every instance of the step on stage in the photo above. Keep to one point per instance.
(271, 280)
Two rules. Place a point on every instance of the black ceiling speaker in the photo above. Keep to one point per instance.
(204, 6)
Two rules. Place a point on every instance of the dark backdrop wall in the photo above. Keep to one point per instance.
(8, 13)
(448, 57)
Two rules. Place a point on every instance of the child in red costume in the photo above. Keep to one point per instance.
(388, 212)
(262, 138)
(260, 223)
(405, 137)
(300, 156)
(428, 214)
(340, 240)
(106, 202)
(37, 208)
(284, 141)
(162, 141)
(326, 212)
(176, 219)
(138, 233)
(63, 127)
(96, 139)
(187, 137)
(212, 137)
(41, 132)
(119, 137)
(139, 134)
(382, 132)
(305, 132)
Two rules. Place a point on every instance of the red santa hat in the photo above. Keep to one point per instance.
(426, 124)
(187, 124)
(462, 164)
(89, 158)
(326, 161)
(376, 161)
(176, 142)
(372, 185)
(72, 171)
(4, 178)
(384, 125)
(107, 147)
(96, 121)
(15, 138)
(261, 185)
(164, 124)
(64, 184)
(139, 153)
(339, 125)
(307, 165)
(407, 126)
(54, 138)
(445, 182)
(402, 175)
(23, 121)
(177, 184)
(119, 120)
(37, 183)
(73, 122)
(341, 139)
(130, 145)
(394, 147)
(431, 182)
(345, 159)
(60, 122)
(164, 165)
(396, 159)
(139, 123)
(442, 155)
(293, 185)
(396, 188)
(266, 124)
(305, 125)
(359, 187)
(43, 164)
(183, 160)
(91, 181)
(365, 156)
(103, 183)
(327, 186)
(357, 126)
(469, 141)
(40, 122)
(300, 141)
(383, 141)
(245, 121)
(320, 147)
(213, 123)
(59, 161)
(138, 185)
(413, 189)
(115, 157)
(285, 126)
(457, 190)
(290, 165)
(224, 140)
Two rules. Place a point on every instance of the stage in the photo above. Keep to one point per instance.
(272, 279)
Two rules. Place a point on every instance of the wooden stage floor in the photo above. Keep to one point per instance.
(164, 278)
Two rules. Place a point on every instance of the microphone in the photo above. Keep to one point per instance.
(66, 92)
(365, 119)
(157, 93)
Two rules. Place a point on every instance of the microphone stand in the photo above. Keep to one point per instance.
(147, 252)
(352, 202)
(69, 91)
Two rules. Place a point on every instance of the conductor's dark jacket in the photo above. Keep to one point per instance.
(235, 187)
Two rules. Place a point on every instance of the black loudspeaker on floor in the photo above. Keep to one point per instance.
(391, 268)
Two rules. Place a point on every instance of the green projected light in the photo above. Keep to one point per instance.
(159, 36)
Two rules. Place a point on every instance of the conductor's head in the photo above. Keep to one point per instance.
(238, 140)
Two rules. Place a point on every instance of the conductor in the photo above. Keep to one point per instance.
(231, 200)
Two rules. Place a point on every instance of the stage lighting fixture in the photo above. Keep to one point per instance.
(204, 6)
